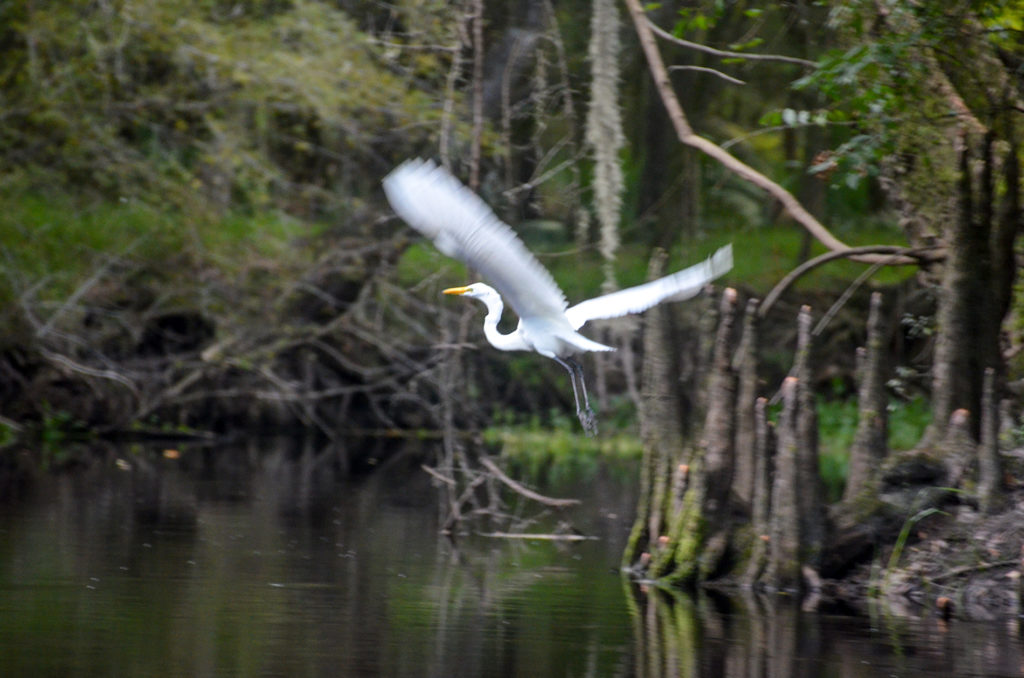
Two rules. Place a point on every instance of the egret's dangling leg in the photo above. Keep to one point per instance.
(586, 415)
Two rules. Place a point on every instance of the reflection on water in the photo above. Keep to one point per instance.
(680, 635)
(274, 560)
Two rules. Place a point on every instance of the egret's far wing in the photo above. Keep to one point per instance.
(462, 226)
(676, 287)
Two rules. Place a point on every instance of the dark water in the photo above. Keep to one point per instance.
(273, 561)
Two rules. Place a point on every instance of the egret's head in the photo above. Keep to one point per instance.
(474, 291)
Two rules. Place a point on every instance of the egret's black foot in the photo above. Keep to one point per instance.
(589, 421)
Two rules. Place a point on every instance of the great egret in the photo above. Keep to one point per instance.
(462, 226)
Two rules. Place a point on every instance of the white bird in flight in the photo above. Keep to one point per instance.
(462, 226)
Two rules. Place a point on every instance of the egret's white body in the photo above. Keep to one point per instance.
(462, 226)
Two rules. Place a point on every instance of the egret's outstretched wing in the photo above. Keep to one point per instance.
(462, 226)
(678, 286)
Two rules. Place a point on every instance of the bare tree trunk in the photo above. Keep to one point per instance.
(702, 354)
(811, 495)
(682, 528)
(1004, 267)
(746, 366)
(784, 565)
(957, 448)
(719, 425)
(713, 479)
(962, 334)
(990, 472)
(760, 505)
(870, 441)
(660, 428)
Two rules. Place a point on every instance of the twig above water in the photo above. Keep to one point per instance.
(525, 491)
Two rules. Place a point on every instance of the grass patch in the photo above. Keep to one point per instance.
(837, 425)
(762, 256)
(554, 450)
(557, 452)
(54, 243)
(907, 421)
(56, 240)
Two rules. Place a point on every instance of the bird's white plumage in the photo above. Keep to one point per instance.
(676, 287)
(462, 226)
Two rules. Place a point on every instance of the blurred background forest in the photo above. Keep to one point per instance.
(194, 235)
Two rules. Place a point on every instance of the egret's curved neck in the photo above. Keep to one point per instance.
(505, 342)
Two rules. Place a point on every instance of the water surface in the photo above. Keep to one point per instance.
(277, 560)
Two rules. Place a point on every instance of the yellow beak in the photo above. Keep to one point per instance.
(455, 290)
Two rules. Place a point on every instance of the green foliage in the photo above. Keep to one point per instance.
(901, 542)
(554, 452)
(907, 422)
(861, 82)
(231, 104)
(762, 256)
(53, 244)
(837, 425)
(8, 434)
(422, 264)
(55, 437)
(893, 79)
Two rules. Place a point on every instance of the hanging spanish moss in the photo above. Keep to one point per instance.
(604, 129)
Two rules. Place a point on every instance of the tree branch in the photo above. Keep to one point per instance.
(728, 55)
(525, 491)
(540, 537)
(884, 252)
(688, 137)
(712, 71)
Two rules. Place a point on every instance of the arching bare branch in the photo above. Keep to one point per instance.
(882, 253)
(712, 71)
(728, 55)
(688, 137)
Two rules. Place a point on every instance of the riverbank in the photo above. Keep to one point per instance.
(954, 563)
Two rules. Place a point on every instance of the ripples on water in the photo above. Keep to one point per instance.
(274, 561)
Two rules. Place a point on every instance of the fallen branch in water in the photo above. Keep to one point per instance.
(525, 491)
(980, 567)
(544, 537)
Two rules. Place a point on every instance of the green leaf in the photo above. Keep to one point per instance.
(740, 46)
